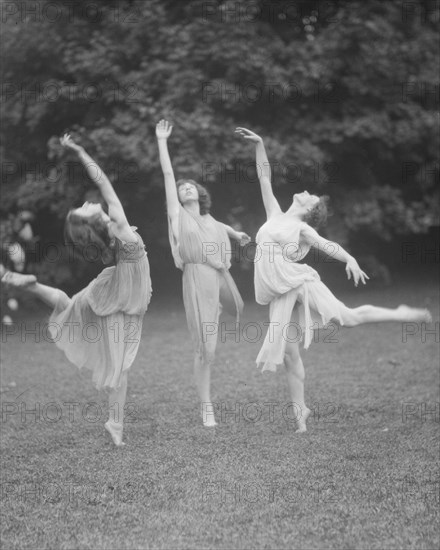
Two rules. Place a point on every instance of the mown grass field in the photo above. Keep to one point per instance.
(365, 475)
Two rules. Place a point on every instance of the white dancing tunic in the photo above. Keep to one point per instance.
(200, 251)
(298, 298)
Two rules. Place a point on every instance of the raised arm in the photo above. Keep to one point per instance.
(264, 172)
(334, 250)
(115, 209)
(163, 132)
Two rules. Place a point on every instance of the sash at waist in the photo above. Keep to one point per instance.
(223, 268)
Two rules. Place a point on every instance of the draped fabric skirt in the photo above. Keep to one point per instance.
(101, 326)
(294, 315)
(205, 292)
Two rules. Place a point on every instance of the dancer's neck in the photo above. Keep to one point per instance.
(193, 207)
(293, 213)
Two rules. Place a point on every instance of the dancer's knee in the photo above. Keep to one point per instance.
(292, 351)
(350, 317)
(209, 358)
(204, 358)
(292, 359)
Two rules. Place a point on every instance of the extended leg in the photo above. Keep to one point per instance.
(49, 295)
(116, 402)
(295, 379)
(372, 314)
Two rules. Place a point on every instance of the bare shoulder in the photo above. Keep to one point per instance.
(124, 232)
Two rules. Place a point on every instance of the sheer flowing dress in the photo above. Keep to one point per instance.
(299, 300)
(100, 329)
(202, 252)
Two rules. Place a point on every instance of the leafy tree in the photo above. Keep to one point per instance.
(344, 93)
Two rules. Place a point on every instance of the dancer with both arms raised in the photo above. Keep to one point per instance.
(114, 303)
(297, 297)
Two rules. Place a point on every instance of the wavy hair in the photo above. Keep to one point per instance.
(317, 217)
(82, 232)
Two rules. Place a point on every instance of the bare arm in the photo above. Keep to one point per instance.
(163, 132)
(264, 172)
(115, 208)
(314, 239)
(240, 236)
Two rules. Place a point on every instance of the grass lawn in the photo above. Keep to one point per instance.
(365, 475)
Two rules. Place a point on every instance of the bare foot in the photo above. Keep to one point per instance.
(207, 411)
(18, 279)
(115, 432)
(301, 423)
(414, 314)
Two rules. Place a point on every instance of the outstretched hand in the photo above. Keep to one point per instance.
(353, 270)
(163, 129)
(248, 134)
(243, 238)
(67, 141)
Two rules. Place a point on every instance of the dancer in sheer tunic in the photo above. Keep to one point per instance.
(299, 301)
(200, 247)
(99, 328)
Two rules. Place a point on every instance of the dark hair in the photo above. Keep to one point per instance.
(204, 196)
(319, 213)
(81, 232)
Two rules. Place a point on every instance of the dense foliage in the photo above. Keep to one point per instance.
(345, 94)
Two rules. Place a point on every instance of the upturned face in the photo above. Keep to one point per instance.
(188, 192)
(305, 200)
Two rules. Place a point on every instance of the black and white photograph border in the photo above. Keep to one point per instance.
(219, 236)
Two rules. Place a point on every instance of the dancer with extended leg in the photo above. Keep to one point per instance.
(200, 247)
(299, 301)
(113, 304)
